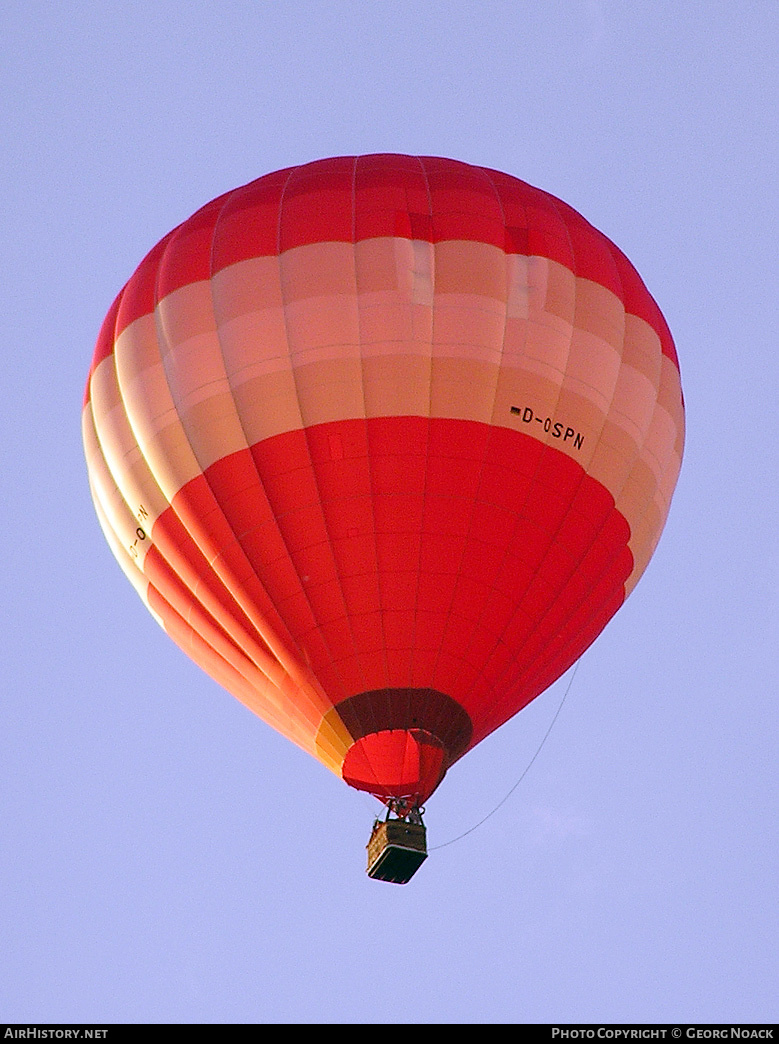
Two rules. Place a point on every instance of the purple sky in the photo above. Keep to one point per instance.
(165, 856)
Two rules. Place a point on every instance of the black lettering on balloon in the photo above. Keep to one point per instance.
(555, 429)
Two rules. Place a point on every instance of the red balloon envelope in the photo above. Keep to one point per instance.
(383, 442)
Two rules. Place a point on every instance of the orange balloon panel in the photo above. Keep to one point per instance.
(383, 443)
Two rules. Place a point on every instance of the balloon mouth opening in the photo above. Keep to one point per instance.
(396, 763)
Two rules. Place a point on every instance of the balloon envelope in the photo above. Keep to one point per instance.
(383, 442)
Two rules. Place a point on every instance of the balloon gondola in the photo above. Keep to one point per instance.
(383, 442)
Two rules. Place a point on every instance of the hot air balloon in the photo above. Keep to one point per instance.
(383, 442)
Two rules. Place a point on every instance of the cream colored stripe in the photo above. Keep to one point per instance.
(646, 497)
(120, 449)
(127, 532)
(387, 297)
(150, 409)
(322, 325)
(557, 325)
(195, 374)
(126, 562)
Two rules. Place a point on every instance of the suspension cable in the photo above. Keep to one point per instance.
(503, 801)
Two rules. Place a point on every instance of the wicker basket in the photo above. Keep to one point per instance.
(396, 850)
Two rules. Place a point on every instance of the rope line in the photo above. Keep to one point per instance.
(529, 765)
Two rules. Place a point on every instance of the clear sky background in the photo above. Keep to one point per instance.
(164, 856)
